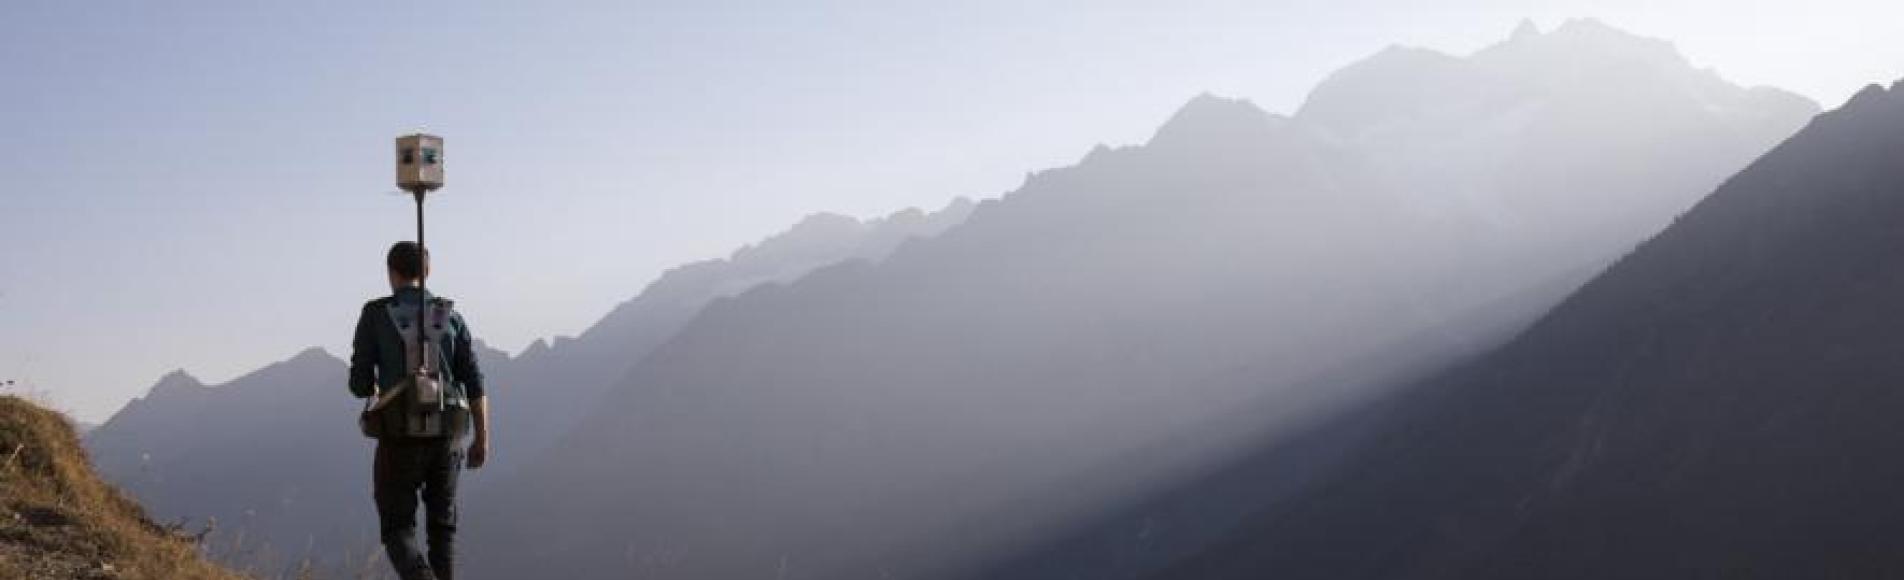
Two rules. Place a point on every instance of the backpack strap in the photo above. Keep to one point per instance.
(425, 403)
(437, 328)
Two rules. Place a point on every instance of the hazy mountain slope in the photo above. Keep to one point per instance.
(1514, 142)
(274, 456)
(1720, 403)
(548, 387)
(58, 520)
(1487, 137)
(852, 423)
(1179, 520)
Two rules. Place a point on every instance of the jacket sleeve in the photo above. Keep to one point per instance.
(463, 366)
(363, 356)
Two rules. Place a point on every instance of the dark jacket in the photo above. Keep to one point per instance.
(377, 360)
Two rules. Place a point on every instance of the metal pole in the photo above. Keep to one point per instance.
(423, 294)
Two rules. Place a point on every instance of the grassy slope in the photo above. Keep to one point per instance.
(59, 520)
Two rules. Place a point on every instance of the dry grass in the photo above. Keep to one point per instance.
(59, 520)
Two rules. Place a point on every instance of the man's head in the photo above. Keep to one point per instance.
(408, 263)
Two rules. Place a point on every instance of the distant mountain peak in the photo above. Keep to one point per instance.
(815, 228)
(1588, 40)
(1387, 84)
(1591, 26)
(1870, 95)
(826, 220)
(313, 357)
(177, 380)
(315, 353)
(1401, 87)
(1526, 29)
(537, 347)
(959, 204)
(1207, 106)
(1207, 114)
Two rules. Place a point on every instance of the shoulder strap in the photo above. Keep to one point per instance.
(438, 326)
(404, 319)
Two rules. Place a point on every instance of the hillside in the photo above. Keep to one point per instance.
(841, 399)
(289, 471)
(1113, 325)
(1721, 403)
(549, 386)
(61, 521)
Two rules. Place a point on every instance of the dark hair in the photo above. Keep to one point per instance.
(406, 259)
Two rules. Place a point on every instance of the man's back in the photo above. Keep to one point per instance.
(378, 360)
(405, 345)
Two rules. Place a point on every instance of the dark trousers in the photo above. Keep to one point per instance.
(405, 470)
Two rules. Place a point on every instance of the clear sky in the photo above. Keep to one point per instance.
(207, 185)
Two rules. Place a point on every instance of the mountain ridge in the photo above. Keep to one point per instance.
(1095, 309)
(1061, 329)
(281, 440)
(1716, 403)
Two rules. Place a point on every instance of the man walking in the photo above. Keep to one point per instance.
(415, 363)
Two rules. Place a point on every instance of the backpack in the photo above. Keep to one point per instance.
(421, 406)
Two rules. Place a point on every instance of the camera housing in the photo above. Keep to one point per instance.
(419, 162)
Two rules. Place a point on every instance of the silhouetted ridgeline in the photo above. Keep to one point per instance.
(264, 455)
(559, 383)
(274, 456)
(1721, 403)
(1021, 378)
(1118, 325)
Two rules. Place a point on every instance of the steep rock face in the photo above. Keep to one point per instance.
(973, 392)
(1720, 403)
